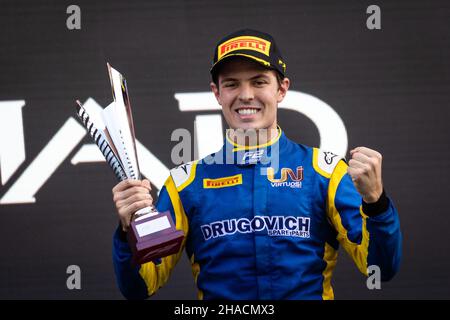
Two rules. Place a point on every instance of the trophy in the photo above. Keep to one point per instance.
(152, 235)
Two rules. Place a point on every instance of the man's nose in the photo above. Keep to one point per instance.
(246, 93)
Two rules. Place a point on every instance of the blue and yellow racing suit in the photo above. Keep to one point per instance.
(266, 223)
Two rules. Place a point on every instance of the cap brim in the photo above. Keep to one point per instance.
(240, 54)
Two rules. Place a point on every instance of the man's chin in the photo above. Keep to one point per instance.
(248, 128)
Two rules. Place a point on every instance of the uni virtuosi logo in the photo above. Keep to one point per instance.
(288, 178)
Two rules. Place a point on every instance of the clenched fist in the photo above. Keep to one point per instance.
(129, 196)
(364, 168)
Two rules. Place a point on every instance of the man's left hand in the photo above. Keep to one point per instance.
(364, 168)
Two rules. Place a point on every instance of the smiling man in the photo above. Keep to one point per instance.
(249, 86)
(249, 94)
(265, 219)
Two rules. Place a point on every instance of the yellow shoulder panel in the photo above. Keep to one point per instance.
(324, 162)
(184, 174)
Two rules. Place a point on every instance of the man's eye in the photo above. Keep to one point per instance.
(260, 82)
(229, 84)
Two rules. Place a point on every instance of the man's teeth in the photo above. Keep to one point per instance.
(247, 111)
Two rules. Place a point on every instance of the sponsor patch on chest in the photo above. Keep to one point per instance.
(222, 182)
(287, 177)
(288, 226)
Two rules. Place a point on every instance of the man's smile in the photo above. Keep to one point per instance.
(247, 112)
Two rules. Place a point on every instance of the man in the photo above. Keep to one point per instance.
(265, 218)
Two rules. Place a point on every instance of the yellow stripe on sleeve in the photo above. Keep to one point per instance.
(330, 257)
(195, 272)
(359, 252)
(155, 276)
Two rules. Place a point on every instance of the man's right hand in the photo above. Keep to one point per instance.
(129, 196)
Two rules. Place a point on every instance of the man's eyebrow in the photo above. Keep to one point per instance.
(258, 76)
(228, 79)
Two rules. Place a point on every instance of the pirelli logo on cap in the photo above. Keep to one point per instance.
(244, 43)
(222, 182)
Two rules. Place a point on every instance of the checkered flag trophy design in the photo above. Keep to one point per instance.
(152, 235)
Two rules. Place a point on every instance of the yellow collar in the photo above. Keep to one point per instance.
(239, 147)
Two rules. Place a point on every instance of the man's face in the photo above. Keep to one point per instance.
(249, 94)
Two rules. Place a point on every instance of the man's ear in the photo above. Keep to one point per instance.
(215, 90)
(283, 89)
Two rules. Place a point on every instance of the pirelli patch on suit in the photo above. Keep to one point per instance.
(222, 182)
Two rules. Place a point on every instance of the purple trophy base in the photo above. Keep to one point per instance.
(153, 237)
